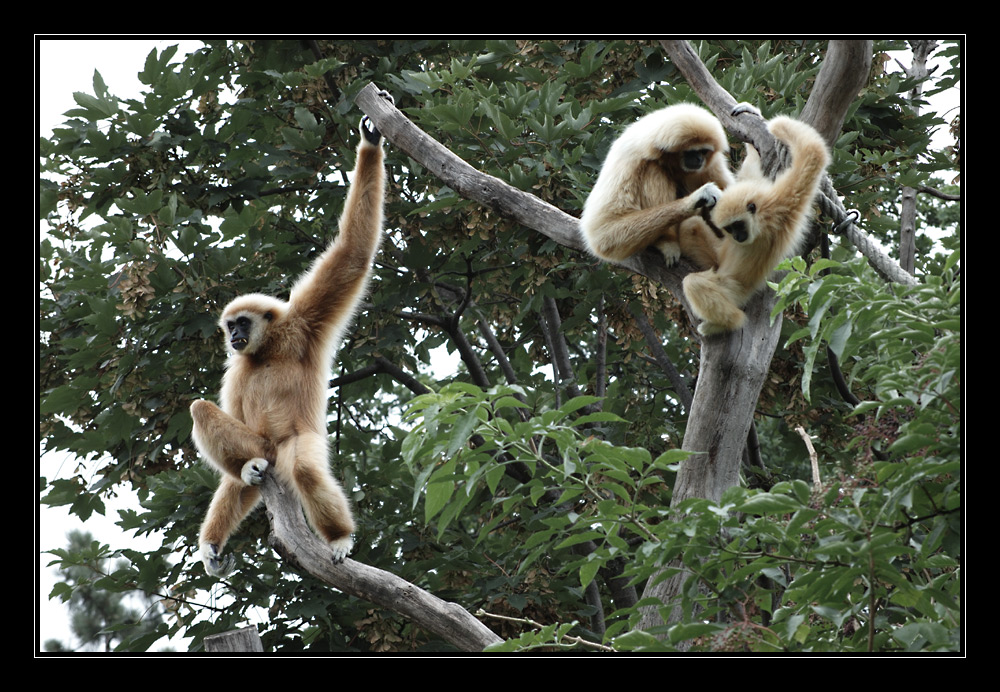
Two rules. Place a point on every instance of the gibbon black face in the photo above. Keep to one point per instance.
(738, 229)
(693, 160)
(239, 332)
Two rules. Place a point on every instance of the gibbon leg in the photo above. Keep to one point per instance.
(226, 442)
(698, 243)
(715, 298)
(231, 503)
(302, 464)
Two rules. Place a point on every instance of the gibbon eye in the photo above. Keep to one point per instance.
(268, 315)
(751, 207)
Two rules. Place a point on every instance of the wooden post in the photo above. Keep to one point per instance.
(236, 641)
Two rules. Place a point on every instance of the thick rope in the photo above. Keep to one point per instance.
(886, 267)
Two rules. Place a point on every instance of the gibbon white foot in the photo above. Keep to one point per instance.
(252, 472)
(341, 548)
(213, 565)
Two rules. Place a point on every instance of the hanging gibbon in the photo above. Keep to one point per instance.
(764, 222)
(658, 176)
(273, 398)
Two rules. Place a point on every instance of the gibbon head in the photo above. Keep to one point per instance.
(736, 213)
(684, 135)
(246, 321)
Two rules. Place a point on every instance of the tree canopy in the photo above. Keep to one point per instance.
(513, 418)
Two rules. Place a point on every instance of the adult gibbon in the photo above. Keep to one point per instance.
(273, 398)
(764, 222)
(657, 177)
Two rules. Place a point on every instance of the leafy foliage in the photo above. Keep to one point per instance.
(525, 493)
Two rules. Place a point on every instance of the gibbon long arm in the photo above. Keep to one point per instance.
(625, 231)
(327, 296)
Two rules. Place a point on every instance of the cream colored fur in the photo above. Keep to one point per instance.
(643, 193)
(773, 215)
(273, 398)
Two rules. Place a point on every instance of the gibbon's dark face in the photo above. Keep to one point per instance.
(239, 332)
(693, 160)
(740, 229)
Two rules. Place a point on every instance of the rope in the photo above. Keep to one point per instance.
(844, 225)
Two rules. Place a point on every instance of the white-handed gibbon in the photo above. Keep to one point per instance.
(764, 222)
(662, 171)
(274, 391)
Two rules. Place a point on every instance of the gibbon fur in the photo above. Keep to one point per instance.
(658, 175)
(273, 398)
(764, 222)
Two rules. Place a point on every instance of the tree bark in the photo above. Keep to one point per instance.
(844, 72)
(245, 640)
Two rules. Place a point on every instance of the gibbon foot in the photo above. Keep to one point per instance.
(213, 565)
(341, 548)
(707, 328)
(367, 127)
(744, 107)
(671, 251)
(252, 472)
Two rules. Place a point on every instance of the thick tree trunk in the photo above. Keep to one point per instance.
(732, 372)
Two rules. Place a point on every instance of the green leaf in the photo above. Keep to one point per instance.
(436, 498)
(768, 503)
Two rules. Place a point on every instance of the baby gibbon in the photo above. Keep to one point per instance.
(274, 391)
(658, 175)
(764, 222)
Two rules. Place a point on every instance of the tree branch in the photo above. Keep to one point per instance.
(295, 542)
(844, 71)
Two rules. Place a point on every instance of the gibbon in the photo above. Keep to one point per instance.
(273, 398)
(764, 222)
(662, 171)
